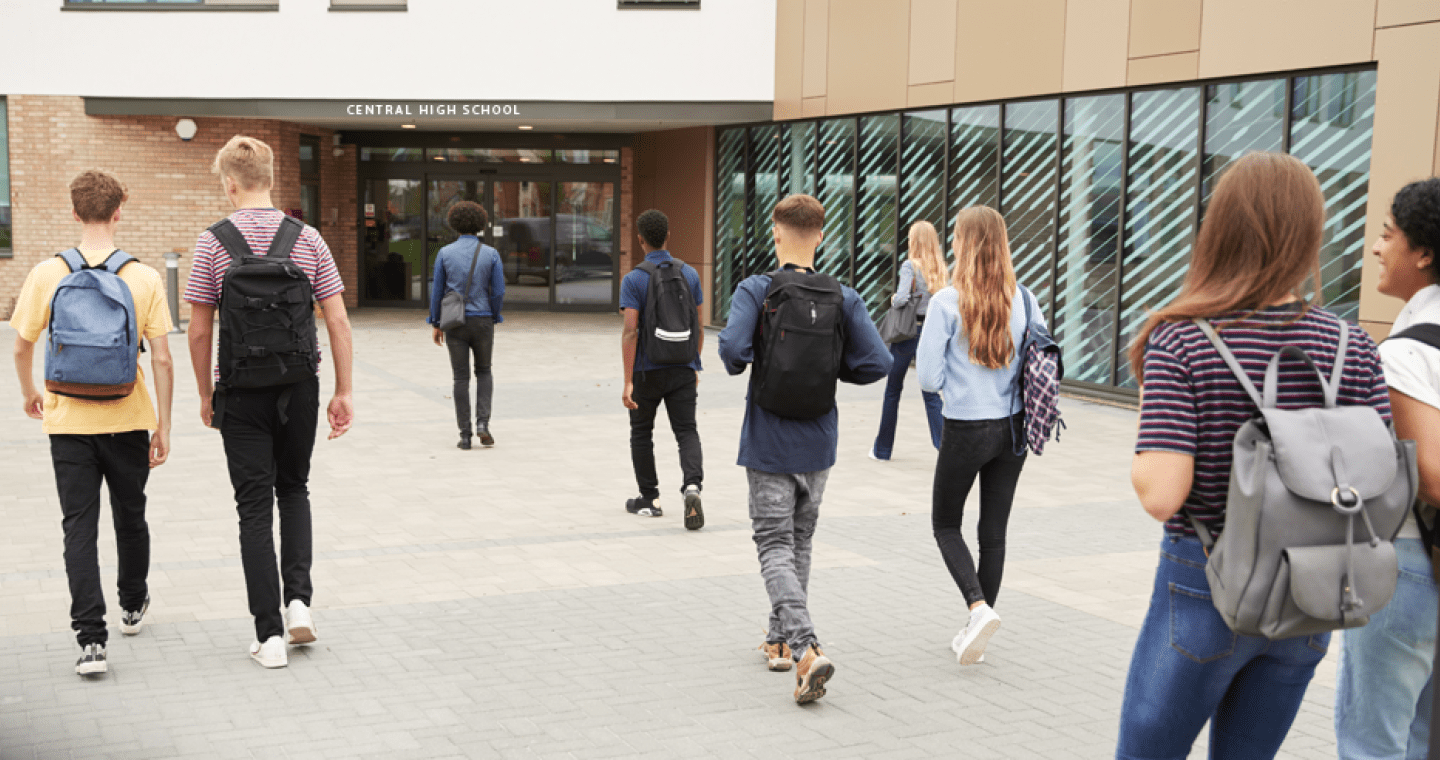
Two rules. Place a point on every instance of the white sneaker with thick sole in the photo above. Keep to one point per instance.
(957, 643)
(298, 623)
(271, 654)
(984, 622)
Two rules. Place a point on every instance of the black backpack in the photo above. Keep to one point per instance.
(671, 329)
(267, 321)
(1428, 334)
(800, 343)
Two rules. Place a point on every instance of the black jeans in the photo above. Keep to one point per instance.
(474, 338)
(676, 387)
(269, 464)
(969, 448)
(122, 461)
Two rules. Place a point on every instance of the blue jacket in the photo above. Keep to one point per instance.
(779, 444)
(452, 266)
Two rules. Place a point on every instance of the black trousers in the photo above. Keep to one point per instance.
(676, 387)
(122, 461)
(474, 339)
(970, 449)
(269, 465)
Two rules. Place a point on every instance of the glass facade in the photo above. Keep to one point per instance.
(1103, 194)
(6, 249)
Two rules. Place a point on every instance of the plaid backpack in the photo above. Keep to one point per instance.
(1038, 382)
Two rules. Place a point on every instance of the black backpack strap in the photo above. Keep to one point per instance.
(648, 267)
(230, 238)
(285, 238)
(1425, 332)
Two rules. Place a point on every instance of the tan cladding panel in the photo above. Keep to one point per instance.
(932, 41)
(816, 41)
(789, 58)
(1162, 27)
(1095, 43)
(1159, 69)
(867, 70)
(1241, 37)
(1009, 49)
(1401, 12)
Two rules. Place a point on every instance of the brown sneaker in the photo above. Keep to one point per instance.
(811, 674)
(778, 654)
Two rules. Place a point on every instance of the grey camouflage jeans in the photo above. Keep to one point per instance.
(784, 508)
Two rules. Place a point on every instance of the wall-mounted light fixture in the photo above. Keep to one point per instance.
(186, 129)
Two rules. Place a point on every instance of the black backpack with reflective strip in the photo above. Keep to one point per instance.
(671, 329)
(267, 318)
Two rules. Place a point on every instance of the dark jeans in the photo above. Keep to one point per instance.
(269, 464)
(122, 461)
(676, 387)
(474, 338)
(902, 353)
(969, 448)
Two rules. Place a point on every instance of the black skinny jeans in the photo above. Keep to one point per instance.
(676, 387)
(122, 462)
(969, 448)
(475, 338)
(270, 465)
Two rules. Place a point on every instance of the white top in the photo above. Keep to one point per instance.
(1411, 367)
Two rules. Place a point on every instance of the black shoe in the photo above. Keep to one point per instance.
(486, 439)
(92, 660)
(464, 442)
(133, 620)
(694, 515)
(643, 507)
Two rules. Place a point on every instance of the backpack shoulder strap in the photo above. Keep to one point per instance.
(117, 261)
(1332, 393)
(648, 268)
(230, 238)
(1425, 332)
(285, 238)
(72, 259)
(1230, 361)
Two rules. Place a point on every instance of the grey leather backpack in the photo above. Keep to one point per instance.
(1316, 496)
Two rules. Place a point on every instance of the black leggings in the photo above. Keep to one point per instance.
(969, 448)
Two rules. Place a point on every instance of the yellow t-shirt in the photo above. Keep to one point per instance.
(72, 416)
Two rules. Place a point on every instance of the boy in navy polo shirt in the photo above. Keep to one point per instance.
(648, 383)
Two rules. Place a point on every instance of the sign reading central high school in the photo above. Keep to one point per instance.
(432, 109)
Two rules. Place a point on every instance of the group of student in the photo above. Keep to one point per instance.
(799, 331)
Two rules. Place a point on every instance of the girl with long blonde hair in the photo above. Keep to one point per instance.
(969, 352)
(921, 274)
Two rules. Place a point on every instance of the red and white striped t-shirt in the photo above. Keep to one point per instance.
(258, 226)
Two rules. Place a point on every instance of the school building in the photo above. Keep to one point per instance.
(1097, 127)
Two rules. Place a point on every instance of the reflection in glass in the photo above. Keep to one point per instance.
(922, 187)
(764, 194)
(729, 218)
(5, 245)
(1085, 283)
(836, 192)
(1159, 207)
(974, 162)
(485, 155)
(799, 159)
(587, 156)
(392, 154)
(394, 253)
(584, 243)
(876, 202)
(1240, 118)
(1029, 192)
(1334, 119)
(522, 236)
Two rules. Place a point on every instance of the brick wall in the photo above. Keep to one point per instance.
(628, 244)
(173, 195)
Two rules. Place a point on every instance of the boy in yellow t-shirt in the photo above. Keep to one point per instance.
(95, 441)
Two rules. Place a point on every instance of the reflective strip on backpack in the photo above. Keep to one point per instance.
(673, 337)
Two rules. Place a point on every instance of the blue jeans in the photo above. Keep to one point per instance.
(903, 353)
(1189, 667)
(1383, 695)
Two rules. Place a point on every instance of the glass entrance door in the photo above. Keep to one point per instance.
(522, 223)
(392, 249)
(585, 244)
(441, 195)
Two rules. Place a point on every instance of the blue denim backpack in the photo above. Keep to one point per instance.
(94, 343)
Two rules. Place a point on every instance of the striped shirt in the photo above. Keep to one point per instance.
(1192, 404)
(258, 226)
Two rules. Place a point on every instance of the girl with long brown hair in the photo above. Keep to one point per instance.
(1254, 262)
(922, 274)
(970, 352)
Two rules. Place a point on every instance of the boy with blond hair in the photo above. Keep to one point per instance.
(100, 438)
(788, 440)
(268, 427)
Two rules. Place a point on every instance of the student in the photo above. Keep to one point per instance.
(970, 352)
(648, 382)
(1256, 257)
(469, 260)
(787, 460)
(100, 440)
(921, 274)
(269, 432)
(1384, 693)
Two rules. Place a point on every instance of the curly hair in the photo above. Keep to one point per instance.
(467, 218)
(654, 227)
(1416, 209)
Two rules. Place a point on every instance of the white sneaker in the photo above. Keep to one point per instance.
(298, 623)
(872, 455)
(958, 643)
(271, 654)
(983, 624)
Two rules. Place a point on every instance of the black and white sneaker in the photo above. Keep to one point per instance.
(133, 620)
(92, 660)
(694, 515)
(643, 507)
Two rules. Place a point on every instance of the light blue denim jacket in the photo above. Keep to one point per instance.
(942, 361)
(487, 289)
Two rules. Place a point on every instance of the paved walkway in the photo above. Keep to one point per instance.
(501, 603)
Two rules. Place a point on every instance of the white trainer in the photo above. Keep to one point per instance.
(298, 624)
(271, 654)
(984, 622)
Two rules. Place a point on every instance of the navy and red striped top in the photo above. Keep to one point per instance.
(1192, 404)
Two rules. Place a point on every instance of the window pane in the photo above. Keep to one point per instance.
(729, 218)
(584, 260)
(1160, 206)
(836, 171)
(478, 155)
(922, 189)
(391, 154)
(309, 156)
(1028, 192)
(875, 250)
(1240, 118)
(974, 161)
(799, 159)
(587, 156)
(1331, 133)
(5, 244)
(1085, 286)
(764, 194)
